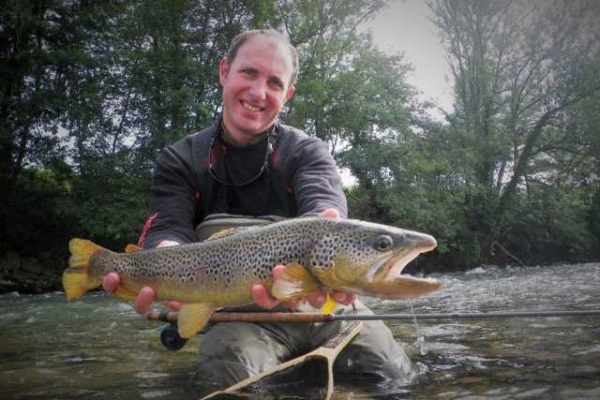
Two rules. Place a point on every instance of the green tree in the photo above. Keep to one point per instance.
(520, 68)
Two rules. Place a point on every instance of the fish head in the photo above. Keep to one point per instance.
(368, 259)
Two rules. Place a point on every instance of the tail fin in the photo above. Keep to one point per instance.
(77, 279)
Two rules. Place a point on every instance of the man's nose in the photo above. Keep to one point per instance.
(258, 90)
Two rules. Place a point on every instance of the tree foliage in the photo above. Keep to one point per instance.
(525, 71)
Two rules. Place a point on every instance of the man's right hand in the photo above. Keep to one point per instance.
(147, 295)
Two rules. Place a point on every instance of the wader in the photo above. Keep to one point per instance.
(233, 351)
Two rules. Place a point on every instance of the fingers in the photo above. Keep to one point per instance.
(167, 243)
(316, 299)
(144, 300)
(330, 213)
(277, 271)
(111, 282)
(261, 296)
(173, 304)
(343, 297)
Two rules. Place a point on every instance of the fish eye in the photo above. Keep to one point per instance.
(383, 243)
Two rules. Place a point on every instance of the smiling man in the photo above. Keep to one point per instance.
(255, 87)
(245, 166)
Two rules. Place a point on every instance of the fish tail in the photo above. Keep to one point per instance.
(77, 278)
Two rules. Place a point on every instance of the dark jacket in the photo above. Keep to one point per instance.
(301, 178)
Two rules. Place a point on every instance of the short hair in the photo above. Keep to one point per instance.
(245, 36)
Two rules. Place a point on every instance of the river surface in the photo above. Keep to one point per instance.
(99, 348)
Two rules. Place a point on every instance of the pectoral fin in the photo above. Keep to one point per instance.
(192, 318)
(294, 283)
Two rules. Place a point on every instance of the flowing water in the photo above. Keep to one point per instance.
(99, 348)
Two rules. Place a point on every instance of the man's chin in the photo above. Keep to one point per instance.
(251, 126)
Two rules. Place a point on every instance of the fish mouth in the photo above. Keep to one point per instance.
(393, 266)
(386, 280)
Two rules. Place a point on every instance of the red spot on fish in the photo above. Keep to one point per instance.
(288, 190)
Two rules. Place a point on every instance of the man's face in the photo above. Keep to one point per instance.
(256, 85)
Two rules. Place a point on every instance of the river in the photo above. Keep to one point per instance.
(99, 348)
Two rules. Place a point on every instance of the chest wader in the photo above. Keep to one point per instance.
(234, 351)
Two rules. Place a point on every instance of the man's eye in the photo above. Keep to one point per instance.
(276, 84)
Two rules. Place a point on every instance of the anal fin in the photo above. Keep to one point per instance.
(193, 317)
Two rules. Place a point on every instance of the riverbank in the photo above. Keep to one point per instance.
(28, 275)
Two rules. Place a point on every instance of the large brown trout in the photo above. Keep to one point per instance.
(320, 253)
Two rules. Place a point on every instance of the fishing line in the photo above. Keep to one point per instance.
(420, 338)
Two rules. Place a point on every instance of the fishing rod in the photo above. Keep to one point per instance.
(170, 338)
(290, 317)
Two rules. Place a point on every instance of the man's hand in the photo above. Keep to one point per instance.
(263, 298)
(146, 296)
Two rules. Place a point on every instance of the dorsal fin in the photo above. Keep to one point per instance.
(226, 232)
(132, 248)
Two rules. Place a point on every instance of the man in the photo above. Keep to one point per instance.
(248, 163)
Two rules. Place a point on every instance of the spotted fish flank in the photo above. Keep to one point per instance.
(331, 254)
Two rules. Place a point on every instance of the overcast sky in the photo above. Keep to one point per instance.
(403, 26)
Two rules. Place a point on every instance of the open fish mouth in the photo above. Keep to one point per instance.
(385, 279)
(391, 267)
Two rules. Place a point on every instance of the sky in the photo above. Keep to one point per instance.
(403, 27)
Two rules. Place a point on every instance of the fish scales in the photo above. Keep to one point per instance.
(226, 263)
(334, 254)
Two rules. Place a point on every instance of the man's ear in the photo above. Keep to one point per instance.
(223, 69)
(290, 92)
